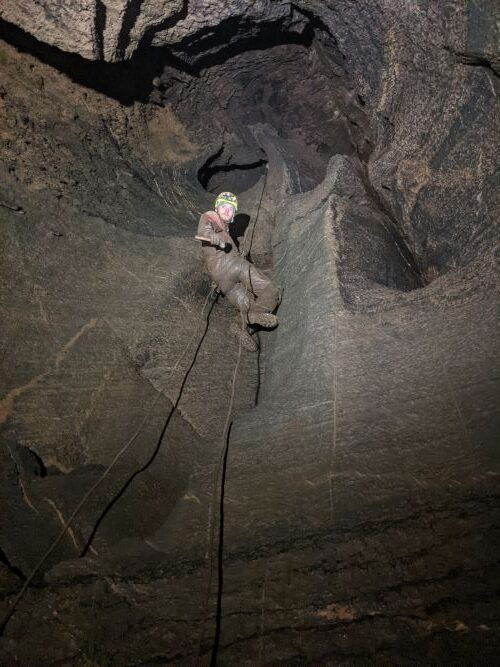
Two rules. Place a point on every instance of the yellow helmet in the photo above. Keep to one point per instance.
(227, 198)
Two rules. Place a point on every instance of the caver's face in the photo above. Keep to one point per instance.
(226, 212)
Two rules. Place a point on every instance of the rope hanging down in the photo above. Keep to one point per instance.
(217, 487)
(106, 472)
(248, 254)
(217, 492)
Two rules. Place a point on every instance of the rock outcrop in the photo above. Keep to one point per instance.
(359, 513)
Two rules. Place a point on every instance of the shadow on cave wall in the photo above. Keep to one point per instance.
(127, 81)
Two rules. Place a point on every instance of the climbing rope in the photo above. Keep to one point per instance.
(106, 472)
(217, 493)
(258, 211)
(248, 254)
(217, 489)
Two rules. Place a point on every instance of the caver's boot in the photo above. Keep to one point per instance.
(265, 320)
(247, 341)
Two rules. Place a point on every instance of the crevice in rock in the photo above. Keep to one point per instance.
(234, 177)
(12, 568)
(317, 25)
(130, 16)
(475, 60)
(40, 469)
(165, 24)
(99, 27)
(397, 235)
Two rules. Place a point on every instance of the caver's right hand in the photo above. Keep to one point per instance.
(216, 240)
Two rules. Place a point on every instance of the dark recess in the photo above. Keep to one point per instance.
(12, 568)
(209, 48)
(233, 177)
(100, 26)
(126, 82)
(238, 227)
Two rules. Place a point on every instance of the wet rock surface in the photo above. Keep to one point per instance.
(360, 496)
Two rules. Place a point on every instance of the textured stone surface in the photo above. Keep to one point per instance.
(70, 26)
(361, 510)
(116, 29)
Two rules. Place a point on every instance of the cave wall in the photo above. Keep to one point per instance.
(115, 293)
(360, 497)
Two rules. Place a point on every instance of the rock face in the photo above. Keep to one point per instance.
(359, 515)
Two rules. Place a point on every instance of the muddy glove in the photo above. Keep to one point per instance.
(216, 240)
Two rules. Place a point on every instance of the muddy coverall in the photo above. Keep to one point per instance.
(243, 285)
